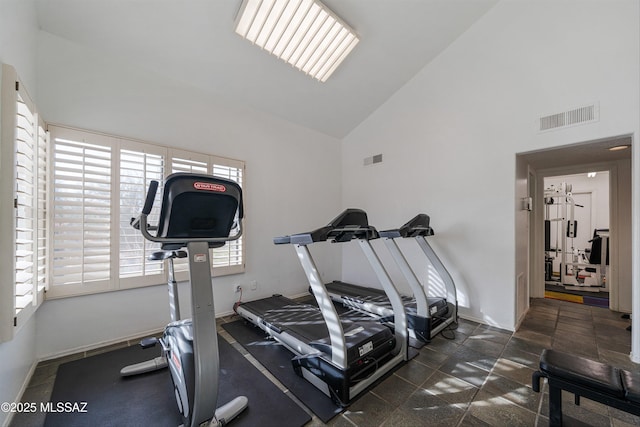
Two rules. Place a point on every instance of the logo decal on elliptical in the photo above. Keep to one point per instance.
(209, 186)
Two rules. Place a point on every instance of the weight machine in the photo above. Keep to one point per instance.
(584, 270)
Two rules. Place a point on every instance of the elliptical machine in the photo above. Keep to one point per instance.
(198, 212)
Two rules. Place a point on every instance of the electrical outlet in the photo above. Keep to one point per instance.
(238, 288)
(254, 285)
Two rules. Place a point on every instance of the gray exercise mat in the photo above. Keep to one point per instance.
(148, 399)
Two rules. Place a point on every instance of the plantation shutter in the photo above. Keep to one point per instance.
(42, 242)
(190, 163)
(137, 168)
(23, 171)
(228, 259)
(98, 183)
(81, 212)
(25, 204)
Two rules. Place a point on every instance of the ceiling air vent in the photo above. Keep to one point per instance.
(577, 116)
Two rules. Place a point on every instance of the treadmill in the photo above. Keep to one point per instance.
(339, 356)
(426, 316)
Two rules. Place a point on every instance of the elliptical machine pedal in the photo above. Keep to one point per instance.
(159, 362)
(148, 342)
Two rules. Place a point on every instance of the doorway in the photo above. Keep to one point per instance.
(531, 170)
(576, 237)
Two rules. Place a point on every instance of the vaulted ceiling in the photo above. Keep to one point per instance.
(193, 41)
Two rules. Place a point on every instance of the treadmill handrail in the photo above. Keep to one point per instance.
(450, 286)
(351, 224)
(335, 234)
(417, 289)
(328, 311)
(417, 226)
(408, 232)
(419, 229)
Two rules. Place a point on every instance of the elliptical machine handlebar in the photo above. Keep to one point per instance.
(148, 205)
(151, 195)
(140, 223)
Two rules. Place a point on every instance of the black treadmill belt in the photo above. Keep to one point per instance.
(377, 296)
(304, 321)
(366, 294)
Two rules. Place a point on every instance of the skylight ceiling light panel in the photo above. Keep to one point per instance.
(259, 20)
(253, 18)
(302, 37)
(285, 26)
(245, 18)
(290, 31)
(325, 72)
(314, 40)
(340, 36)
(323, 45)
(304, 33)
(270, 23)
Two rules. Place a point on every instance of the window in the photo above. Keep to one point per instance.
(24, 170)
(81, 221)
(68, 197)
(228, 259)
(138, 166)
(99, 184)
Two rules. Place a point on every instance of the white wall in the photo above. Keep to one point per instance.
(18, 35)
(449, 137)
(292, 183)
(18, 39)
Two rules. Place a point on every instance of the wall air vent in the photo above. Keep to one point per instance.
(577, 116)
(373, 159)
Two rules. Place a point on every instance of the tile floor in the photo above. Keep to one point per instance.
(482, 377)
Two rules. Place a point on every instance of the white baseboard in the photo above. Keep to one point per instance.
(482, 322)
(95, 346)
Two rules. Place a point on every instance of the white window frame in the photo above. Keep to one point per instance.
(21, 121)
(172, 158)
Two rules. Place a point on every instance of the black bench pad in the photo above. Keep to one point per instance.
(588, 373)
(583, 377)
(631, 382)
